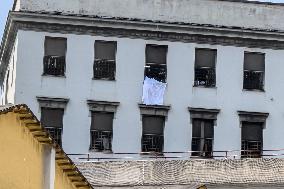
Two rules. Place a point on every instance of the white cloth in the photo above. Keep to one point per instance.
(153, 92)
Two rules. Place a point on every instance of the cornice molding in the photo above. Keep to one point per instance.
(115, 27)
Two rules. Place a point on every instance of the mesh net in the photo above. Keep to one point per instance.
(187, 173)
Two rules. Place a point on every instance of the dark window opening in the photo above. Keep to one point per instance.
(205, 63)
(54, 60)
(105, 61)
(202, 138)
(252, 140)
(153, 133)
(156, 62)
(254, 67)
(52, 120)
(101, 131)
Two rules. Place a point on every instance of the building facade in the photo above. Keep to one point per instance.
(84, 63)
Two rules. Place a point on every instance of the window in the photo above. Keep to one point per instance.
(52, 110)
(203, 122)
(54, 56)
(101, 131)
(252, 139)
(153, 133)
(156, 62)
(153, 122)
(105, 64)
(205, 63)
(254, 67)
(252, 133)
(202, 137)
(52, 120)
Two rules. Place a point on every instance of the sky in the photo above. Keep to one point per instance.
(6, 5)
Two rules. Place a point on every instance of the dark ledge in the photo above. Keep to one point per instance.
(53, 99)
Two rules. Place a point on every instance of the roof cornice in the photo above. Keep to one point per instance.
(131, 28)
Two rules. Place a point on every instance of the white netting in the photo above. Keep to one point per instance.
(185, 172)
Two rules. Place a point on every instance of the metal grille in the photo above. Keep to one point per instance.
(152, 143)
(205, 77)
(202, 150)
(55, 133)
(101, 140)
(156, 71)
(251, 149)
(253, 79)
(54, 65)
(104, 69)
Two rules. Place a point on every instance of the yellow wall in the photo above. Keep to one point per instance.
(23, 158)
(61, 181)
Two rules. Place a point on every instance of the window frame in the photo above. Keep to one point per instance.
(252, 117)
(161, 66)
(252, 73)
(153, 111)
(207, 71)
(54, 103)
(96, 106)
(203, 114)
(53, 60)
(107, 62)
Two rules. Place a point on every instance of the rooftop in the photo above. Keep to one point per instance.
(229, 13)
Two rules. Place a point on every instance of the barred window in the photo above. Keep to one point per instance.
(54, 56)
(252, 139)
(156, 62)
(202, 137)
(105, 61)
(205, 63)
(52, 120)
(101, 131)
(254, 69)
(153, 133)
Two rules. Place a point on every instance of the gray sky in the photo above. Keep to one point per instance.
(5, 6)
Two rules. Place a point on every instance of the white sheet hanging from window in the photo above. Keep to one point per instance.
(153, 92)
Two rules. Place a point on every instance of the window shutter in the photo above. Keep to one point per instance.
(205, 58)
(252, 131)
(156, 54)
(52, 117)
(208, 126)
(105, 50)
(153, 125)
(55, 46)
(102, 121)
(254, 61)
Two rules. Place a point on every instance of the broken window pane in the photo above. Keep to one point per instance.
(101, 131)
(105, 64)
(153, 133)
(54, 56)
(52, 120)
(254, 68)
(156, 62)
(202, 137)
(205, 63)
(252, 139)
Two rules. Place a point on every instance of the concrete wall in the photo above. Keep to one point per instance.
(78, 86)
(249, 15)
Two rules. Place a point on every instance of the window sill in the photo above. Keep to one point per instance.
(99, 151)
(254, 90)
(57, 76)
(206, 87)
(103, 79)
